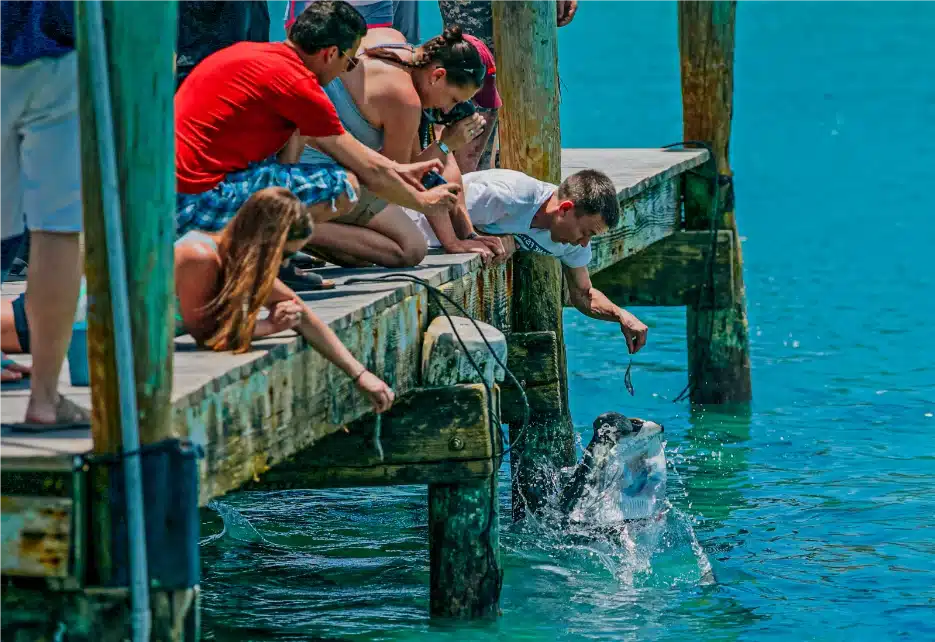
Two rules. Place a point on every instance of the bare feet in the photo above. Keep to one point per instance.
(13, 371)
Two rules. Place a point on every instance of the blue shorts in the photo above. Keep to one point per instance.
(210, 211)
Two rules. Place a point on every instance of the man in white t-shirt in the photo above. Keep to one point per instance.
(533, 216)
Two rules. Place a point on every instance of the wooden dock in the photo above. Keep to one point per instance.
(255, 412)
(281, 416)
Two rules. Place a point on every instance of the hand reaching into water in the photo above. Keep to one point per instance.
(381, 395)
(634, 331)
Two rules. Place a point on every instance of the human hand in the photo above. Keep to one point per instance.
(634, 331)
(412, 173)
(439, 200)
(471, 246)
(284, 315)
(566, 10)
(502, 247)
(459, 134)
(381, 395)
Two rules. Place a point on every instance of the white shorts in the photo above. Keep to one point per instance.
(422, 222)
(41, 157)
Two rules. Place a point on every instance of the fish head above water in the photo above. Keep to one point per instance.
(623, 465)
(628, 435)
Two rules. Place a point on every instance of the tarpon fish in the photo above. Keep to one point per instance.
(622, 475)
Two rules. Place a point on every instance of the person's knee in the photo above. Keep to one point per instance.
(410, 254)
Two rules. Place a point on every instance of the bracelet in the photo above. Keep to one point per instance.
(359, 375)
(442, 146)
(471, 236)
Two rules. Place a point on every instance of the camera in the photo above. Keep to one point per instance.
(458, 112)
(433, 179)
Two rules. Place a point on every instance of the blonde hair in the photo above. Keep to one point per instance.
(253, 244)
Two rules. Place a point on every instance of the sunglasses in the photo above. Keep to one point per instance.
(352, 62)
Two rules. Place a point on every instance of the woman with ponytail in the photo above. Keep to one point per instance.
(381, 101)
(223, 279)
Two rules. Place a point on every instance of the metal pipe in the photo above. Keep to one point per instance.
(141, 618)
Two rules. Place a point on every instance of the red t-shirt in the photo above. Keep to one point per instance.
(239, 106)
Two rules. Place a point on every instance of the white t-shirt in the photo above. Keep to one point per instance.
(503, 201)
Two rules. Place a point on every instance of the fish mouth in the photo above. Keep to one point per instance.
(614, 426)
(646, 428)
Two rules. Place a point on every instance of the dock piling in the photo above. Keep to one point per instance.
(141, 83)
(530, 139)
(464, 530)
(718, 341)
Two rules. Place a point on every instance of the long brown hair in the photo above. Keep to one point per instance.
(253, 244)
(458, 57)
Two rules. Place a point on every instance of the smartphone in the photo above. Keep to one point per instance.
(433, 179)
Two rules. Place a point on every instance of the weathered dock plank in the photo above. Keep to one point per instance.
(253, 412)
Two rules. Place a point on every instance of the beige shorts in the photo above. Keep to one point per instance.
(368, 205)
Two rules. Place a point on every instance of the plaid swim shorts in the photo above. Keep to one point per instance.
(212, 210)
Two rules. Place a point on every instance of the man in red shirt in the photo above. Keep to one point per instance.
(241, 105)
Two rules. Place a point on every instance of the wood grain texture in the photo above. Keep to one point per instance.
(36, 536)
(673, 272)
(428, 435)
(718, 342)
(465, 576)
(255, 410)
(645, 218)
(142, 87)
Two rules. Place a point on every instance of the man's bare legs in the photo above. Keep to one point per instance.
(390, 239)
(52, 296)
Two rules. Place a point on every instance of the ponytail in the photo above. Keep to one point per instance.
(458, 57)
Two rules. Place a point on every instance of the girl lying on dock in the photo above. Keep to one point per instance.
(380, 100)
(224, 278)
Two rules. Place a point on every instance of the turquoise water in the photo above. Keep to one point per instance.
(817, 507)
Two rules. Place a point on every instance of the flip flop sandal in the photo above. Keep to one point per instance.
(304, 280)
(70, 416)
(304, 261)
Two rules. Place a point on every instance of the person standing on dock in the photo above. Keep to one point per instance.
(242, 104)
(42, 188)
(555, 220)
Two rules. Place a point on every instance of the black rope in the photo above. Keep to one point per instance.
(494, 419)
(708, 286)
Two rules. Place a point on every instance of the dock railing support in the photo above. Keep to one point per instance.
(139, 41)
(464, 518)
(530, 139)
(718, 342)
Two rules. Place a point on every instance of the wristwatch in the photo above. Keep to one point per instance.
(471, 236)
(442, 146)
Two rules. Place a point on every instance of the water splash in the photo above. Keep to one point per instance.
(660, 550)
(236, 526)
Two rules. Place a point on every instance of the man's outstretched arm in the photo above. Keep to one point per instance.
(592, 302)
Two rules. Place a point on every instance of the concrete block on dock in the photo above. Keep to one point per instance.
(444, 360)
